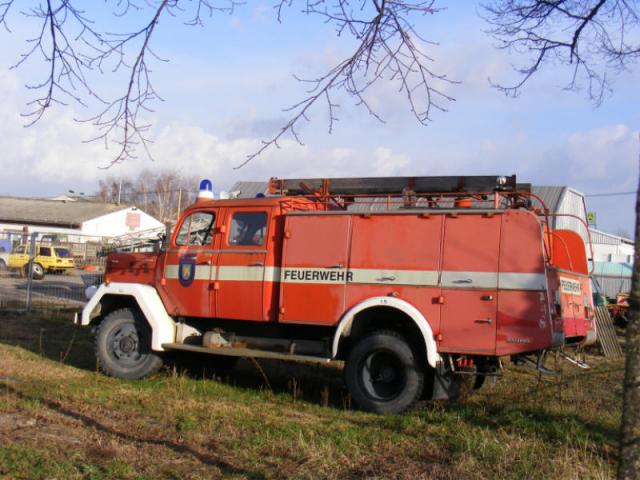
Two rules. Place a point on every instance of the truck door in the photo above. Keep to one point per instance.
(239, 286)
(469, 280)
(314, 271)
(190, 265)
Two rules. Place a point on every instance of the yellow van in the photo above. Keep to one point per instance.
(48, 259)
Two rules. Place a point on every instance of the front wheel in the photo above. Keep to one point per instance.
(37, 271)
(384, 374)
(123, 346)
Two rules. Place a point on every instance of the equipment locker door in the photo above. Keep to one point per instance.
(190, 265)
(314, 270)
(239, 286)
(469, 280)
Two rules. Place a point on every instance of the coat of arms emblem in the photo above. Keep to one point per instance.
(187, 270)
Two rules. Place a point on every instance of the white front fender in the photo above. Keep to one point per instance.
(163, 328)
(344, 327)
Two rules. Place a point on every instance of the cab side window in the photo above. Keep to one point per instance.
(196, 229)
(45, 251)
(248, 228)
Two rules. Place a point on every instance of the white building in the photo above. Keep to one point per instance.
(79, 219)
(567, 208)
(611, 248)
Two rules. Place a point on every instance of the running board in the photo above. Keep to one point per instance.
(246, 352)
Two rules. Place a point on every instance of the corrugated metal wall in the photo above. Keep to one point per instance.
(611, 286)
(572, 202)
(604, 238)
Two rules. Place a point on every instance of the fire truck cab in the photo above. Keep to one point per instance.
(419, 284)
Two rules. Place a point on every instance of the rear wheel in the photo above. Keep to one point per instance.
(123, 345)
(384, 374)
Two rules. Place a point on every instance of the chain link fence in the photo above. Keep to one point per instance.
(49, 271)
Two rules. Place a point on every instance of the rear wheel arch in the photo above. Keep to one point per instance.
(385, 313)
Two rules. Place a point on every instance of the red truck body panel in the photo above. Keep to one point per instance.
(487, 282)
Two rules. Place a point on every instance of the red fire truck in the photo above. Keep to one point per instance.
(419, 284)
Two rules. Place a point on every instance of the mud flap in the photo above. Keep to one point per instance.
(442, 383)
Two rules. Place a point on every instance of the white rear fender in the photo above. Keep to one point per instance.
(163, 328)
(344, 327)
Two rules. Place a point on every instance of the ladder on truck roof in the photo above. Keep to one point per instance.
(397, 185)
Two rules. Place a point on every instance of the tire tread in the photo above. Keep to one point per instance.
(154, 360)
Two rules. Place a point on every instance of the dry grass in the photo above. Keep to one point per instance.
(64, 420)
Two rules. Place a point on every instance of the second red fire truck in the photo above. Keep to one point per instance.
(417, 283)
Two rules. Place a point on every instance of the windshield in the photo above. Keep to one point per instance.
(63, 253)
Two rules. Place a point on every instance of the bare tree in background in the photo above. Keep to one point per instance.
(161, 194)
(594, 38)
(74, 49)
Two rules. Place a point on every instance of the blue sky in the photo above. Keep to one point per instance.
(226, 84)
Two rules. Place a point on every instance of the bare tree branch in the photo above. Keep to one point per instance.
(75, 51)
(590, 36)
(389, 48)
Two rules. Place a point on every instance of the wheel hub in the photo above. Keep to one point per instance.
(382, 376)
(386, 375)
(127, 344)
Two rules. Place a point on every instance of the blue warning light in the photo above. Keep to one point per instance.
(206, 190)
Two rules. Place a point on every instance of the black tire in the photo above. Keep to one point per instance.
(123, 346)
(384, 374)
(36, 268)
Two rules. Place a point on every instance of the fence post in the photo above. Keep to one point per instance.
(32, 256)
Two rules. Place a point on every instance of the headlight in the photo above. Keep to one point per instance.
(90, 291)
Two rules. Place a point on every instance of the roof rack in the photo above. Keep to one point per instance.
(397, 185)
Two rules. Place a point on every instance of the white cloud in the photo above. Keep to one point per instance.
(50, 157)
(604, 158)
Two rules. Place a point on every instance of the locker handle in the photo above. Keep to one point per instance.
(484, 320)
(390, 278)
(337, 265)
(257, 264)
(465, 280)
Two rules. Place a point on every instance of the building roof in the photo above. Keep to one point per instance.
(550, 195)
(250, 189)
(40, 211)
(604, 238)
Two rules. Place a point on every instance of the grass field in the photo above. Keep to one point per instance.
(60, 419)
